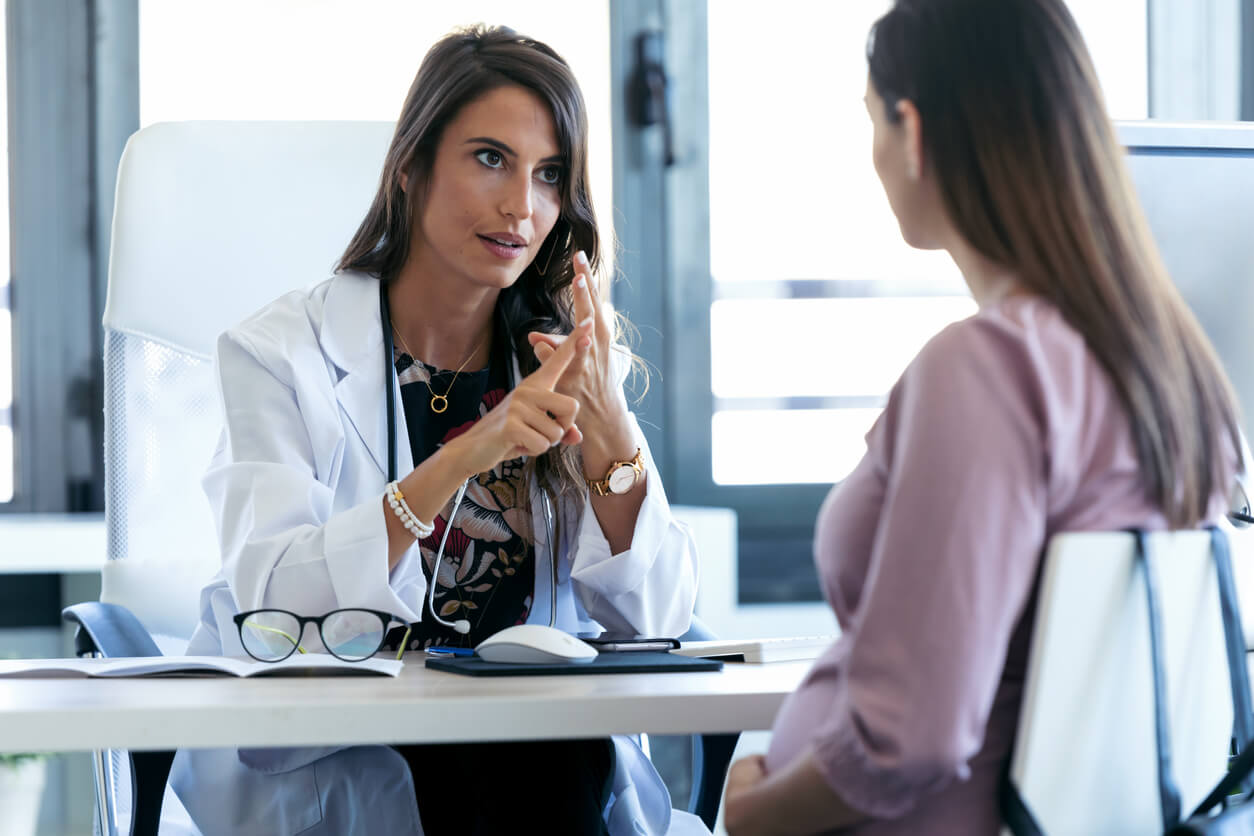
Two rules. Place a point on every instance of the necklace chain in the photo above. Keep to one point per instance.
(439, 403)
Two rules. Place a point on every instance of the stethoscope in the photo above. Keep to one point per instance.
(462, 625)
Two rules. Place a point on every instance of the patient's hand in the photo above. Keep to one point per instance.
(744, 775)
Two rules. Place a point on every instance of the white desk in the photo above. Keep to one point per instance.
(418, 706)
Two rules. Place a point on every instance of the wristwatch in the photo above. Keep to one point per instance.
(621, 477)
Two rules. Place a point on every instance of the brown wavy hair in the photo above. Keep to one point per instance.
(1030, 171)
(458, 69)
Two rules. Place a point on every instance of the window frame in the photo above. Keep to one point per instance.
(662, 222)
(63, 157)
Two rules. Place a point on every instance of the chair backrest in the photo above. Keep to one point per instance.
(1085, 759)
(212, 221)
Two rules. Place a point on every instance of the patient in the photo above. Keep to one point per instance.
(1081, 396)
(453, 391)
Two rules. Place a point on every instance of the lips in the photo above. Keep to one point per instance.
(505, 239)
(504, 245)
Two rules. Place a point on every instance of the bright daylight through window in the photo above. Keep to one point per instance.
(343, 59)
(818, 304)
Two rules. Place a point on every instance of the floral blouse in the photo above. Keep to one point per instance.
(487, 575)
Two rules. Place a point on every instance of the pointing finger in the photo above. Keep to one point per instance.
(551, 370)
(541, 338)
(544, 351)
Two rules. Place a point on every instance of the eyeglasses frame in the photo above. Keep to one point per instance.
(386, 617)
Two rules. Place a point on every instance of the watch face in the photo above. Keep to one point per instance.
(622, 479)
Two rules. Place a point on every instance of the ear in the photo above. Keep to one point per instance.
(912, 124)
(405, 183)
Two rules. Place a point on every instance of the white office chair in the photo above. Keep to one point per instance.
(1085, 758)
(212, 221)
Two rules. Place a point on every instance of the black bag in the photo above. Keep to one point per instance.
(1221, 813)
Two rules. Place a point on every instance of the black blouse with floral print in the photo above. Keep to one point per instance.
(488, 573)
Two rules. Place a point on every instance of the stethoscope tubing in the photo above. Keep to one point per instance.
(462, 625)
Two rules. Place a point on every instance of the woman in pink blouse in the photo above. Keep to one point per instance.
(1081, 396)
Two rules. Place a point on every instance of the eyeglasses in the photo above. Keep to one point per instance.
(350, 634)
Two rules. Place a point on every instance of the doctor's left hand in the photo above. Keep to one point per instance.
(589, 378)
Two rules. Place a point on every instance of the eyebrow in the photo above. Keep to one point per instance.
(501, 146)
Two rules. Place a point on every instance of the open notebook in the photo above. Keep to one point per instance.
(305, 664)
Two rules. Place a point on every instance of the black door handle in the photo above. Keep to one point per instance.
(649, 93)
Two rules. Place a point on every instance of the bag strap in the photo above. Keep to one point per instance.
(1234, 639)
(1238, 773)
(1168, 792)
(1015, 813)
(1239, 676)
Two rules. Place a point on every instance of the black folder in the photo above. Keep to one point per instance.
(634, 662)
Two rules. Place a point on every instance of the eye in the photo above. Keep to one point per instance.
(551, 174)
(490, 157)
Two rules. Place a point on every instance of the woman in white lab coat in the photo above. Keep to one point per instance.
(467, 303)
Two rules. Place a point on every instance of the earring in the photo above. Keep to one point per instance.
(545, 269)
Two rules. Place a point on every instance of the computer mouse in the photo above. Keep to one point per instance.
(534, 644)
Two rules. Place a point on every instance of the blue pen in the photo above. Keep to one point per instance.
(451, 651)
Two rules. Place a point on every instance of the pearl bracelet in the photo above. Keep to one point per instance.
(408, 518)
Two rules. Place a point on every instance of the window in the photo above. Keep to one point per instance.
(846, 287)
(817, 304)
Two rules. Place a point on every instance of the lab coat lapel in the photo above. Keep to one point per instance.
(352, 337)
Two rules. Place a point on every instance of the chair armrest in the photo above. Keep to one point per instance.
(108, 629)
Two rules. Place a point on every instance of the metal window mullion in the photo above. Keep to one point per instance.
(690, 290)
(640, 224)
(1195, 58)
(1247, 60)
(50, 192)
(838, 289)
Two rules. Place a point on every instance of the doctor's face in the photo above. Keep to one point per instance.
(494, 192)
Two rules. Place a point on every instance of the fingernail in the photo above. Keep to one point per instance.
(585, 342)
(582, 258)
(580, 282)
(586, 322)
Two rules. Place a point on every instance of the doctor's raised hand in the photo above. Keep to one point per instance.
(532, 418)
(604, 421)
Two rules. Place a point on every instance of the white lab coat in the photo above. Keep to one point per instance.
(296, 485)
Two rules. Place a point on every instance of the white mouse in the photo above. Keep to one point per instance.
(534, 644)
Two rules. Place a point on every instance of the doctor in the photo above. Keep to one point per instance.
(466, 301)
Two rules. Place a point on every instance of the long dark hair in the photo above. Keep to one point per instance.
(1032, 176)
(458, 69)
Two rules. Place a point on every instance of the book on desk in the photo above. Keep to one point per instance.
(304, 664)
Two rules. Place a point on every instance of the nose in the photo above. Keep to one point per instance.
(517, 199)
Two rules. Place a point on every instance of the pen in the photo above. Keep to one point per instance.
(451, 651)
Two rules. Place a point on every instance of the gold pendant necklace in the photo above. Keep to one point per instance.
(439, 403)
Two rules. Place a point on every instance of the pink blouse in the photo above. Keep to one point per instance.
(1003, 431)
